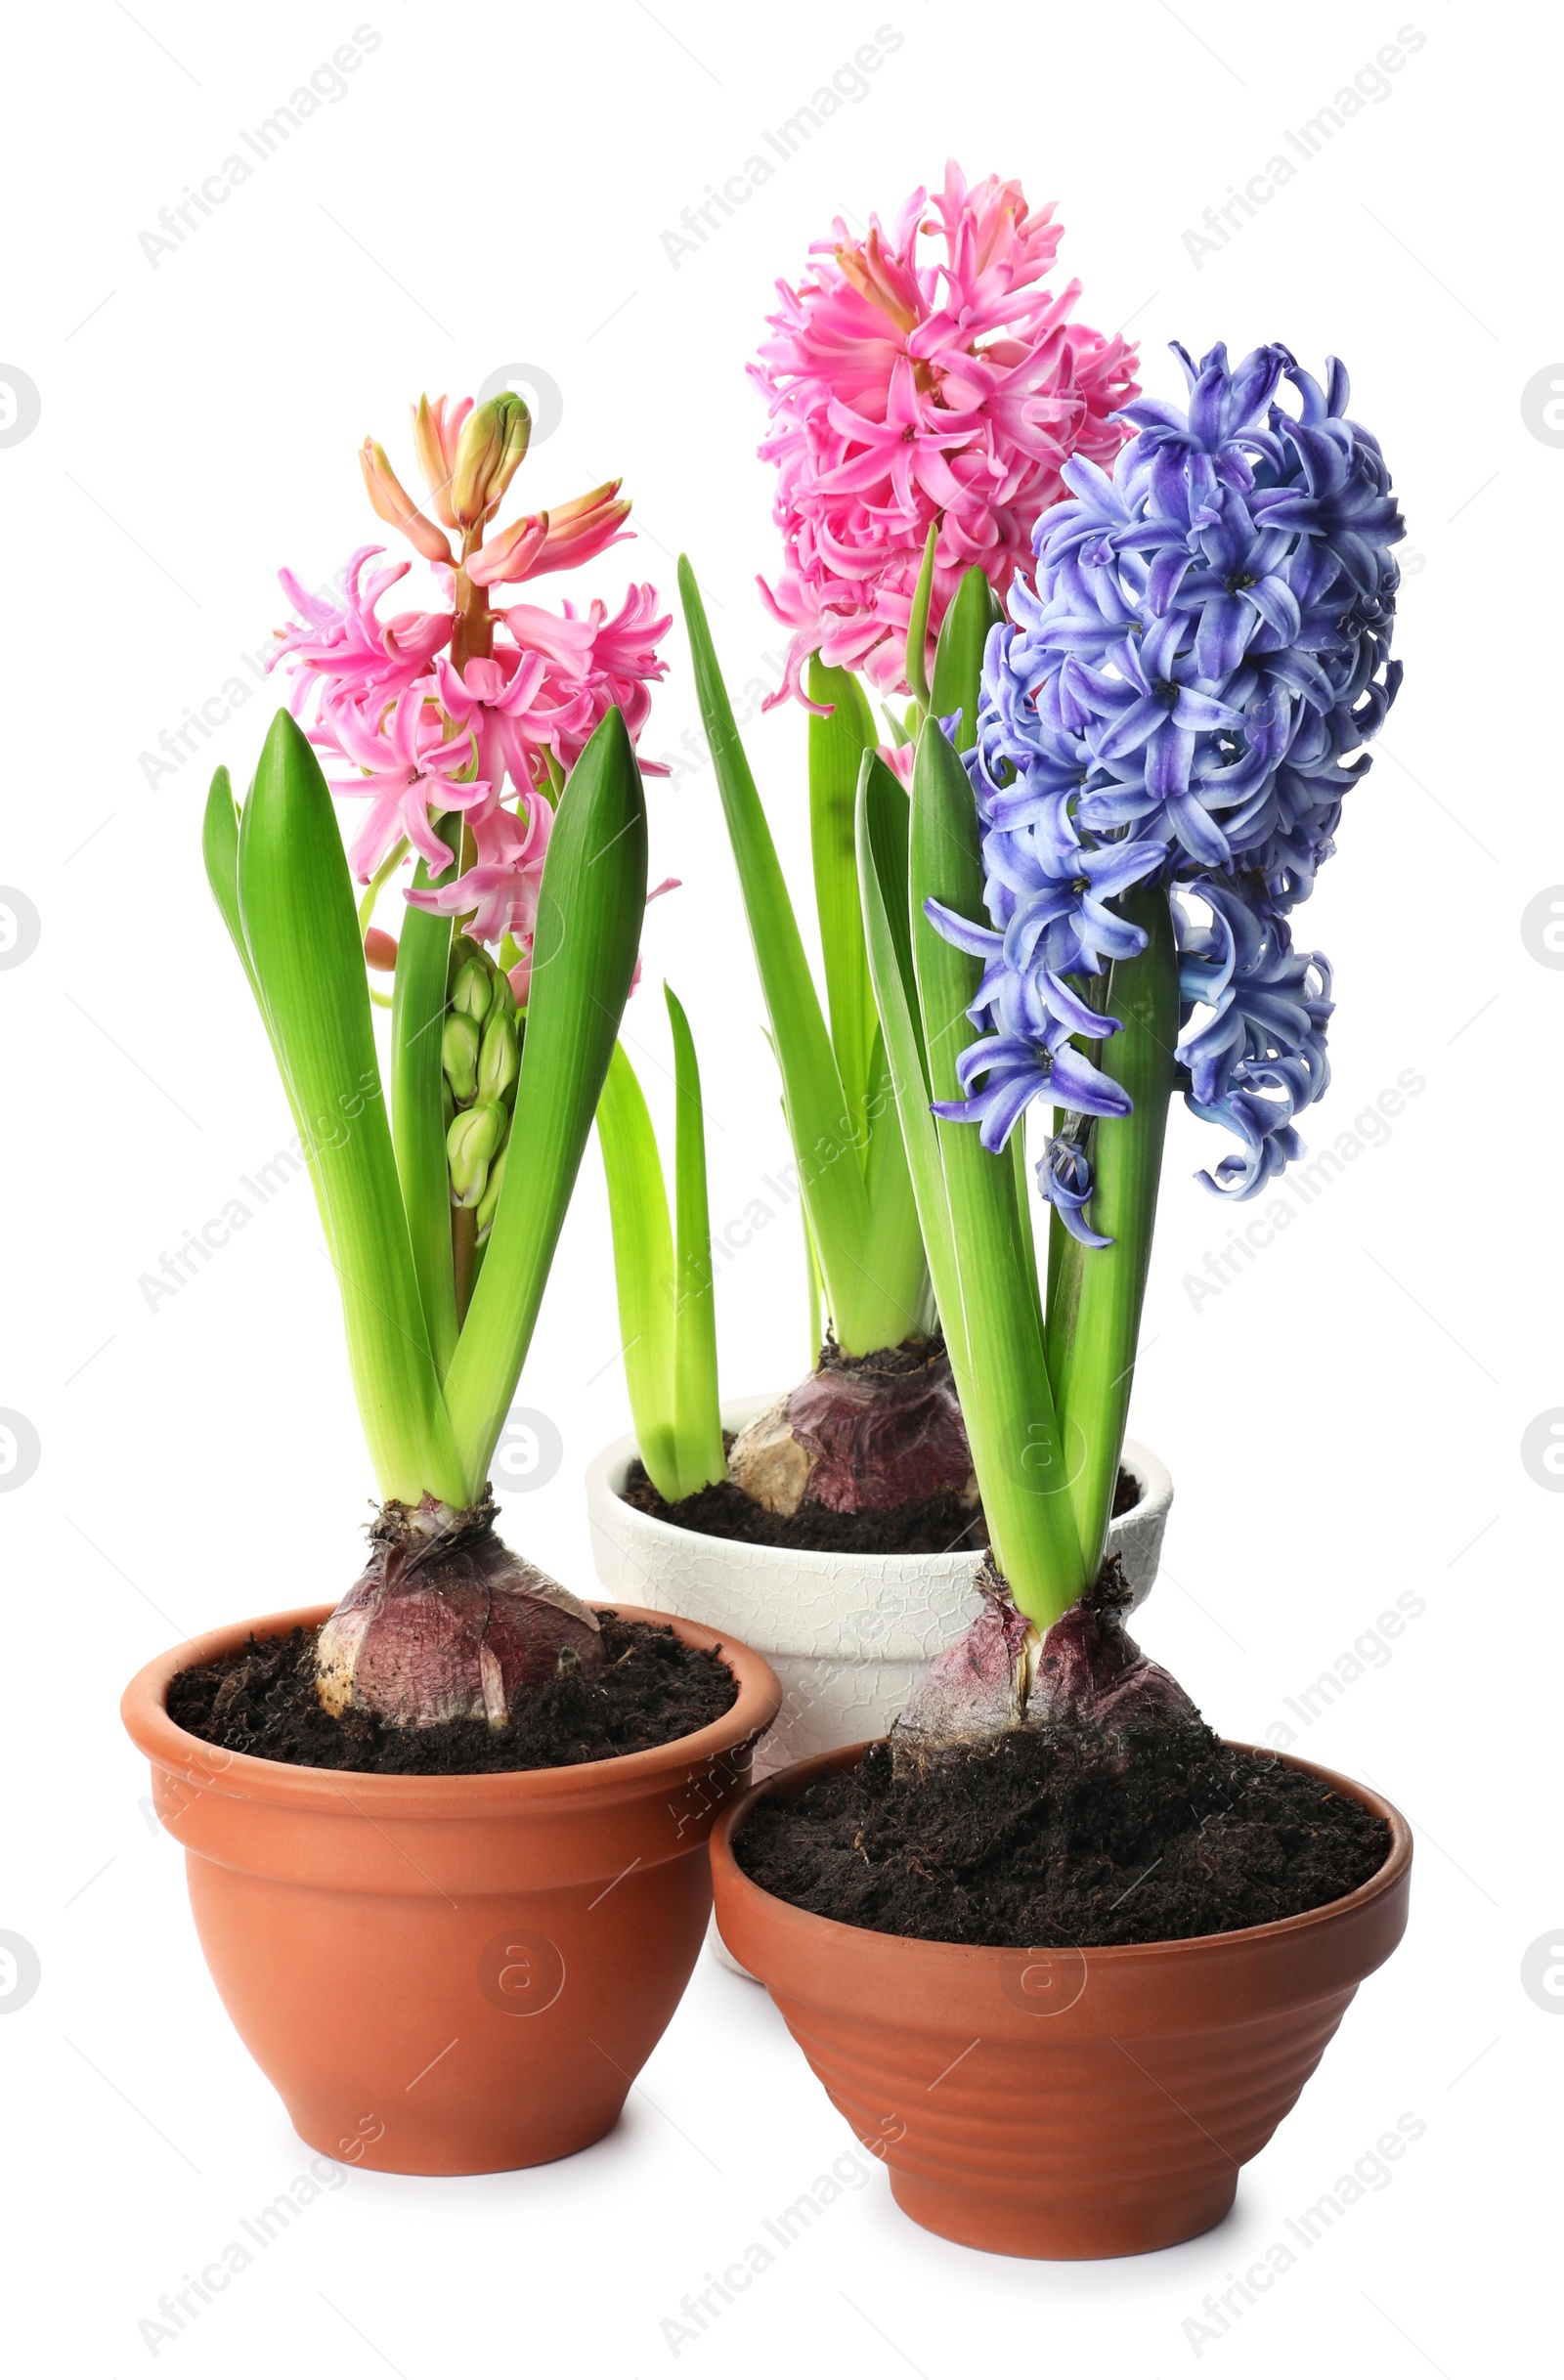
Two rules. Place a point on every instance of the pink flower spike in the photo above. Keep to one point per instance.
(393, 503)
(911, 390)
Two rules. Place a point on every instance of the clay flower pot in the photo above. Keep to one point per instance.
(447, 1975)
(1063, 2103)
(849, 1634)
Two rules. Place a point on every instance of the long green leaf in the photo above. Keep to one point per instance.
(220, 852)
(697, 1411)
(591, 904)
(1005, 1395)
(959, 655)
(824, 1133)
(643, 1268)
(1102, 1290)
(300, 925)
(417, 1114)
(815, 1286)
(893, 1250)
(896, 1236)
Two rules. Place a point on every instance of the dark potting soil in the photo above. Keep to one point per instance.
(263, 1700)
(1047, 1835)
(933, 1525)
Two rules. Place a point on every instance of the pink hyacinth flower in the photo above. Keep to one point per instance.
(596, 662)
(910, 391)
(343, 652)
(500, 889)
(561, 538)
(409, 765)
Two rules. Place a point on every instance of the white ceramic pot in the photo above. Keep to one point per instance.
(847, 1633)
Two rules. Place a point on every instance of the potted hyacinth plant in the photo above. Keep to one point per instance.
(1117, 1944)
(403, 1814)
(925, 387)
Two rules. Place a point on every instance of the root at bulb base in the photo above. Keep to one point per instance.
(1085, 1672)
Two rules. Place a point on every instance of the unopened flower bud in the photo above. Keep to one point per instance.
(435, 436)
(473, 1142)
(394, 505)
(380, 951)
(491, 1196)
(498, 1061)
(459, 1056)
(489, 453)
(470, 994)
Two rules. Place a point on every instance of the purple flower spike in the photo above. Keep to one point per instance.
(1179, 697)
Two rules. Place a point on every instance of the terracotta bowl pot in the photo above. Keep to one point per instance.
(449, 1974)
(1063, 2103)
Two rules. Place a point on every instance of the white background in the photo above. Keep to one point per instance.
(1343, 1420)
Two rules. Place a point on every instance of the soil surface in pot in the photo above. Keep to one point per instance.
(942, 1524)
(263, 1700)
(1049, 1836)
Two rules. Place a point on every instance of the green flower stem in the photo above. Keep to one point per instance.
(418, 1119)
(379, 882)
(1095, 1314)
(916, 663)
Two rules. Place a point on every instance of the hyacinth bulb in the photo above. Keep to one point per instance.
(859, 1435)
(446, 1622)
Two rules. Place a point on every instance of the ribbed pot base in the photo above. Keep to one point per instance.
(1063, 2103)
(1049, 2227)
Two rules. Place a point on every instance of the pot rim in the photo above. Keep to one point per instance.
(244, 1777)
(1125, 1955)
(606, 1472)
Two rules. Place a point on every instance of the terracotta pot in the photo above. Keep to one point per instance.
(449, 1974)
(848, 1634)
(1063, 2103)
